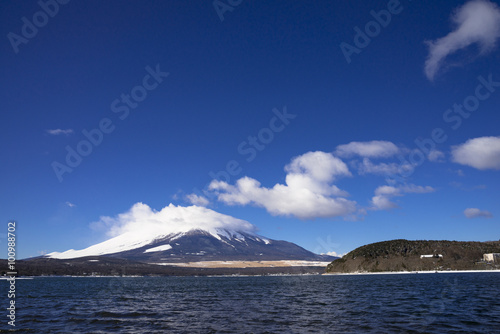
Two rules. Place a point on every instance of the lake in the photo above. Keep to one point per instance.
(412, 303)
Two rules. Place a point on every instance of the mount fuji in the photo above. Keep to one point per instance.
(179, 234)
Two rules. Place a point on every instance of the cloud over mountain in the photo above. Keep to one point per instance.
(147, 222)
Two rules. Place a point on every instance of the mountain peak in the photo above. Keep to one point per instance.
(185, 234)
(142, 225)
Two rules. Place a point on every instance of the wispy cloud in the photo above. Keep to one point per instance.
(308, 191)
(383, 194)
(460, 186)
(476, 213)
(57, 132)
(197, 200)
(368, 167)
(413, 189)
(382, 198)
(71, 205)
(477, 22)
(436, 156)
(368, 149)
(481, 153)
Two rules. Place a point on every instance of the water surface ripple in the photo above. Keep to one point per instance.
(413, 303)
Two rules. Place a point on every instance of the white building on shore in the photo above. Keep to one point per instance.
(431, 256)
(492, 257)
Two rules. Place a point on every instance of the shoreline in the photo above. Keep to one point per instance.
(245, 264)
(246, 275)
(416, 272)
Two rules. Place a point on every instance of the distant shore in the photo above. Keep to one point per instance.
(246, 264)
(416, 272)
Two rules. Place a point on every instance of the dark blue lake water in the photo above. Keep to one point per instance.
(413, 303)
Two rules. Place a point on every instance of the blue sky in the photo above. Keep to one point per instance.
(317, 122)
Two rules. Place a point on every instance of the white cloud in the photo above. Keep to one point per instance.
(197, 200)
(307, 194)
(383, 195)
(309, 191)
(56, 132)
(369, 149)
(368, 167)
(481, 153)
(146, 222)
(476, 213)
(387, 191)
(413, 189)
(71, 205)
(318, 165)
(436, 156)
(477, 22)
(381, 200)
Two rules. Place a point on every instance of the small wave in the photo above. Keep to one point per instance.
(108, 314)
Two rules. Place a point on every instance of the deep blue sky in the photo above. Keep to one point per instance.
(225, 78)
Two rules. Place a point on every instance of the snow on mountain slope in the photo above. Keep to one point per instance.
(142, 226)
(117, 244)
(130, 241)
(158, 249)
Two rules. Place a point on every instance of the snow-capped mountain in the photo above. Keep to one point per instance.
(187, 234)
(196, 245)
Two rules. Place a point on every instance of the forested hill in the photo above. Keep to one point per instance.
(404, 255)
